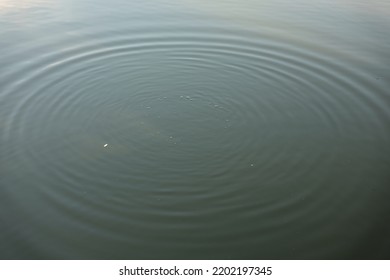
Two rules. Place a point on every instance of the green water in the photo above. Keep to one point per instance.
(234, 129)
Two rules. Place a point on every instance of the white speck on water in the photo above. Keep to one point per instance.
(181, 96)
(105, 145)
(148, 107)
(188, 97)
(252, 164)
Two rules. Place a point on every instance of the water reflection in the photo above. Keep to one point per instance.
(11, 4)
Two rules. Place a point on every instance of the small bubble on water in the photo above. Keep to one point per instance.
(252, 164)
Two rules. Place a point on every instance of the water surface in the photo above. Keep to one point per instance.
(234, 129)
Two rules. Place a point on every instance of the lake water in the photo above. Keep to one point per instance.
(234, 129)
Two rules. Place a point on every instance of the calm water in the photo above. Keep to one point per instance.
(234, 129)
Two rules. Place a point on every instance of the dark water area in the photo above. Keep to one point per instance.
(170, 129)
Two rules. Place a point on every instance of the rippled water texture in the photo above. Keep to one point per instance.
(194, 129)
